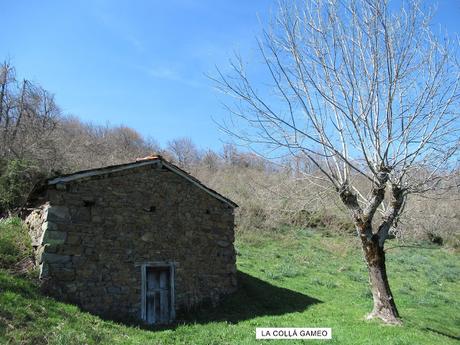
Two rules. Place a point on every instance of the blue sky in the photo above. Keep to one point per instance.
(141, 63)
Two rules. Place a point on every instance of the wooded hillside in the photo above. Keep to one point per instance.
(38, 140)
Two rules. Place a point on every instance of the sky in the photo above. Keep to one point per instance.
(142, 63)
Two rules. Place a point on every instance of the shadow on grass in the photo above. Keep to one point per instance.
(20, 284)
(443, 333)
(253, 298)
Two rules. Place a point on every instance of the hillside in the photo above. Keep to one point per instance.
(290, 278)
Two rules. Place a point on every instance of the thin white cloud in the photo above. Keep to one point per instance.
(101, 12)
(135, 42)
(172, 74)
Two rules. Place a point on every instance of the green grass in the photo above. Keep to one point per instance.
(293, 278)
(14, 242)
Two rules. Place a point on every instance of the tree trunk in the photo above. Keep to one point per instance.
(372, 243)
(384, 304)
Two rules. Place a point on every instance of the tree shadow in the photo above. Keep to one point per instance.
(443, 333)
(253, 298)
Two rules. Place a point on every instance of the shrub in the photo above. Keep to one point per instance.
(17, 178)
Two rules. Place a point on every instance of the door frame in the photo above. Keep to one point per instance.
(172, 275)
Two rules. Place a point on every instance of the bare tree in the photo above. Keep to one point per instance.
(230, 154)
(83, 145)
(361, 91)
(28, 116)
(184, 152)
(210, 160)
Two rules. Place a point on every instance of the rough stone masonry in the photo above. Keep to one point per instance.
(94, 230)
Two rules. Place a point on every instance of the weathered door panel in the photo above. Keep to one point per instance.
(158, 295)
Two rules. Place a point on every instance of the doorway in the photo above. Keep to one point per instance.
(158, 293)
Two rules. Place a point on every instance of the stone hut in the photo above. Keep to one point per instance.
(140, 241)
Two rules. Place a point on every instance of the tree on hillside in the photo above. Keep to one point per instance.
(184, 152)
(365, 91)
(85, 145)
(28, 117)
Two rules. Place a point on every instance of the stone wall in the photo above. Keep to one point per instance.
(92, 235)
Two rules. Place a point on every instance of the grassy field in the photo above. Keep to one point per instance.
(291, 278)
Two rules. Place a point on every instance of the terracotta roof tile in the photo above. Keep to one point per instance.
(147, 158)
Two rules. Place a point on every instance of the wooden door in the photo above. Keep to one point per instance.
(158, 295)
